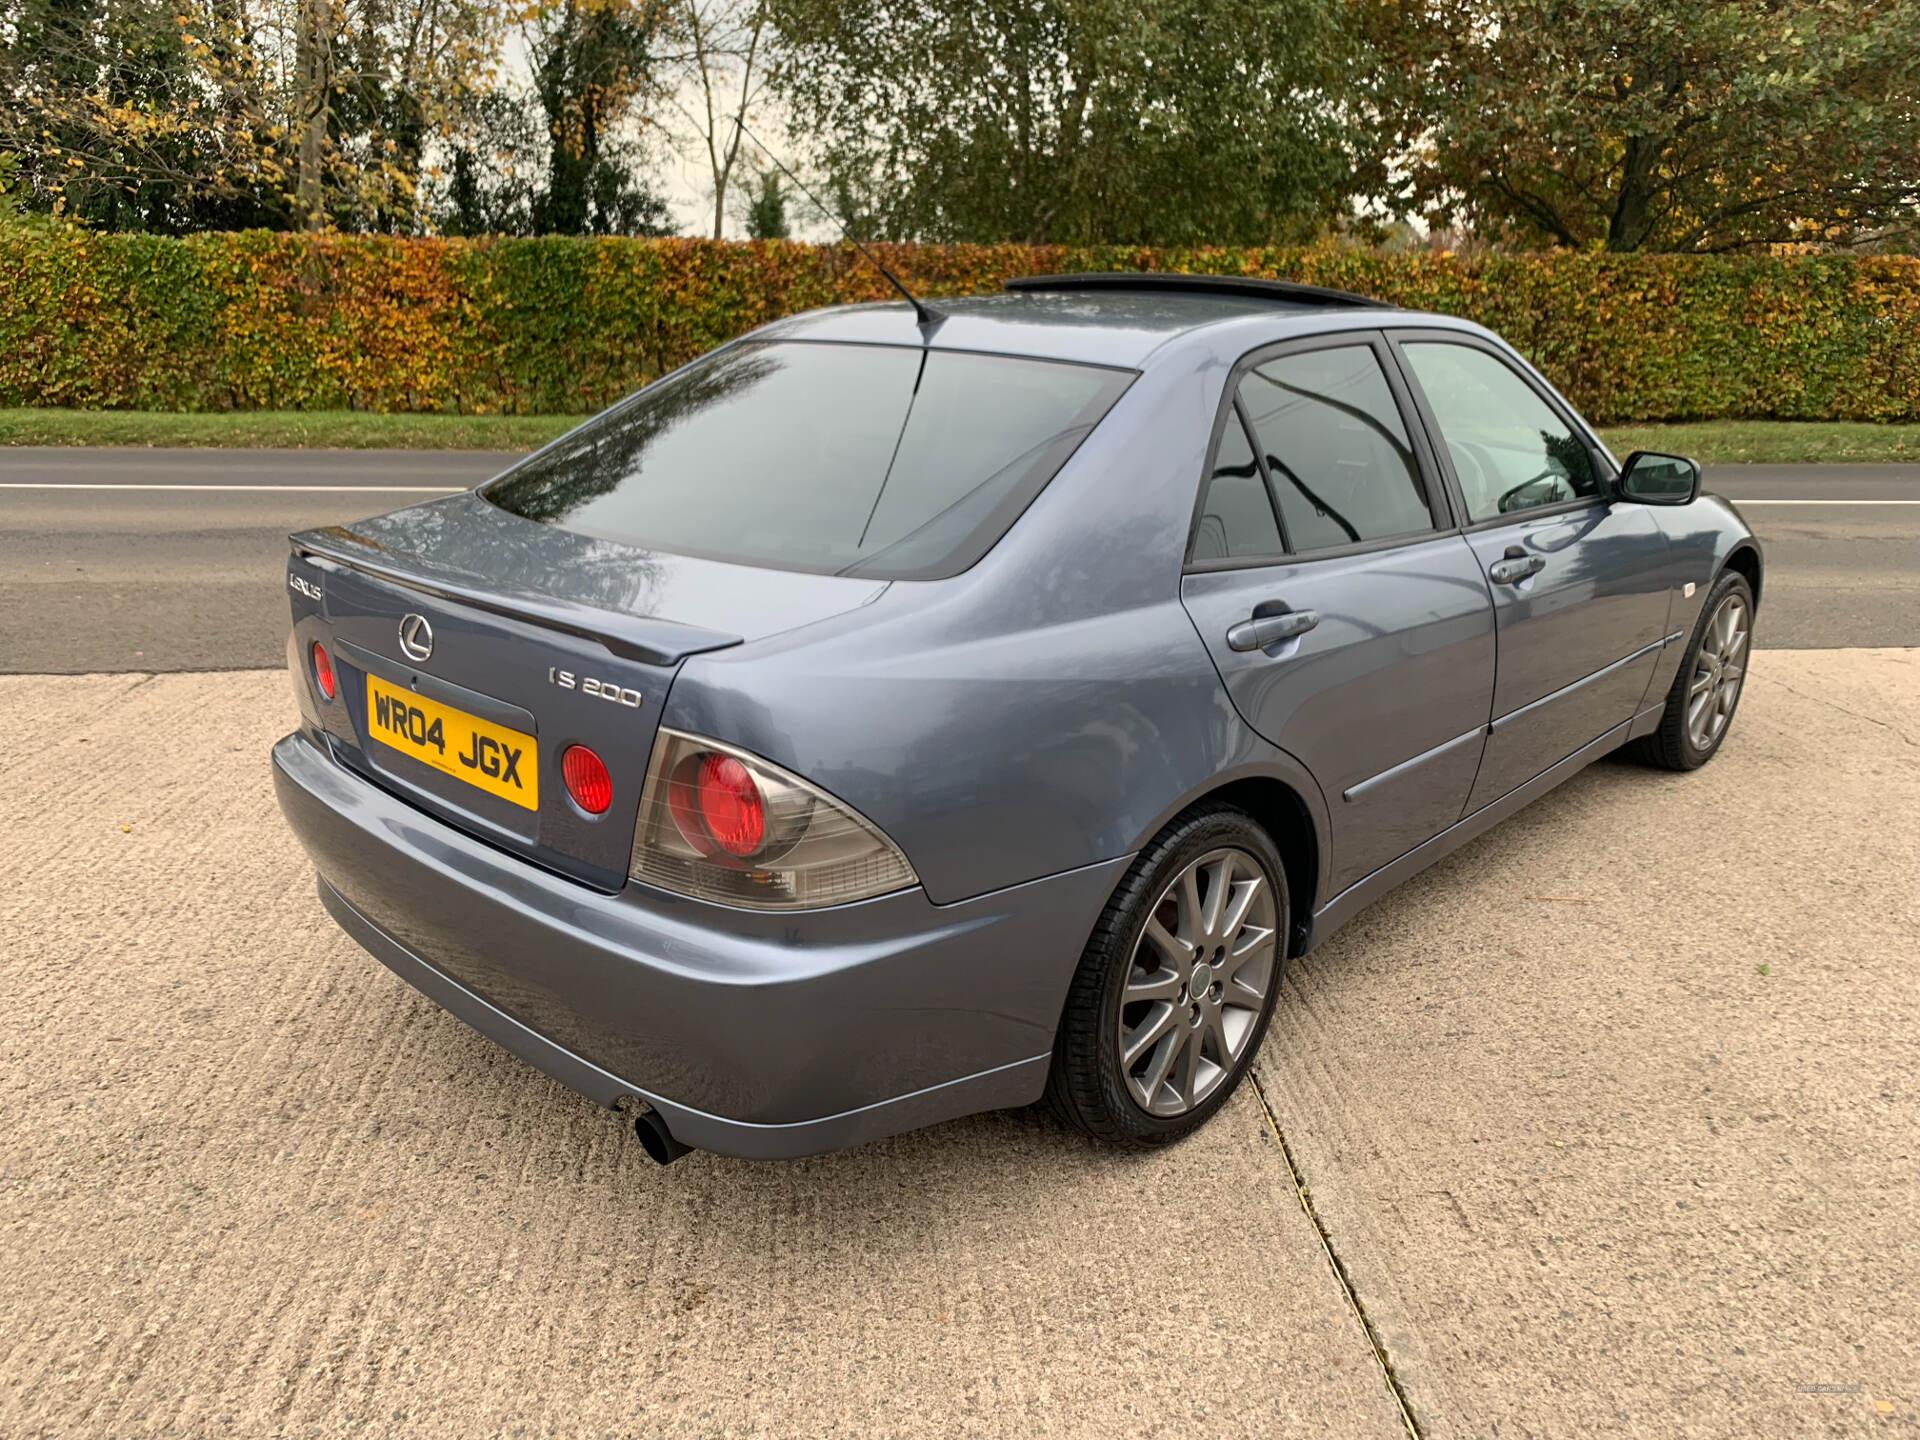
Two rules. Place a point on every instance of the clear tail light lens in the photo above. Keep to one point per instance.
(720, 824)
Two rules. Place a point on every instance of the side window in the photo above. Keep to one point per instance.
(1235, 518)
(1509, 448)
(1342, 468)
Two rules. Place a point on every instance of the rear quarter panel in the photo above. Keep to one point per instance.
(1049, 708)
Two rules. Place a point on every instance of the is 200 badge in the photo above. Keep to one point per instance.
(602, 689)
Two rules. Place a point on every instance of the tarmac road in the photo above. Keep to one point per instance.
(165, 560)
(126, 559)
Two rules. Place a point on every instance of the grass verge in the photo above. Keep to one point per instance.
(282, 429)
(1715, 442)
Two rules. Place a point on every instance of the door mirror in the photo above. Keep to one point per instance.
(1650, 478)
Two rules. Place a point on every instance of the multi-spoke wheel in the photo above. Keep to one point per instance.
(1719, 664)
(1707, 688)
(1177, 984)
(1199, 981)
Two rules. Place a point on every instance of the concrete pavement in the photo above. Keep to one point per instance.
(1618, 1113)
(255, 1185)
(160, 576)
(1610, 1121)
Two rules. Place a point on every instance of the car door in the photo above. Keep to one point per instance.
(1346, 615)
(1580, 581)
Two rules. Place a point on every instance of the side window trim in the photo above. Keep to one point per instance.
(1603, 468)
(1260, 464)
(1447, 515)
(1230, 414)
(1443, 506)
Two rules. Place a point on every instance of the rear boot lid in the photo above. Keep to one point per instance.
(471, 649)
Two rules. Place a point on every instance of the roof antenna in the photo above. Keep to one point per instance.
(926, 316)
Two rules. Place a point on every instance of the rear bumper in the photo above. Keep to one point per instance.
(759, 1035)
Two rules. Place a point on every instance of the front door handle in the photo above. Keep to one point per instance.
(1264, 630)
(1515, 568)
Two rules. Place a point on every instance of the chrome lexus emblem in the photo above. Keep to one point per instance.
(416, 637)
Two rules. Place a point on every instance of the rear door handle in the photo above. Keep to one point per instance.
(1264, 630)
(1515, 568)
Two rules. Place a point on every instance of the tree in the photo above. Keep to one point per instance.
(376, 83)
(723, 67)
(496, 161)
(1132, 121)
(593, 61)
(1656, 124)
(15, 217)
(766, 208)
(314, 23)
(139, 115)
(180, 115)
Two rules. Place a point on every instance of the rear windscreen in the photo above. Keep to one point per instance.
(886, 461)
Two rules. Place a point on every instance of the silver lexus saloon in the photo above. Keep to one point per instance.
(891, 716)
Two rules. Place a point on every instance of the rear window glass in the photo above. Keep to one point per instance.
(886, 461)
(1342, 466)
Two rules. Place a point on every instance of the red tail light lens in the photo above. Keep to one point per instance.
(322, 670)
(731, 805)
(587, 780)
(724, 825)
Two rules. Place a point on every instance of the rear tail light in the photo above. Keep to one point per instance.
(720, 824)
(322, 670)
(585, 774)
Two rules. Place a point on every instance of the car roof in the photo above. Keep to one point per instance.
(1107, 321)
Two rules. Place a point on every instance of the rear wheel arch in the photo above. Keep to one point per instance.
(1120, 1077)
(1280, 810)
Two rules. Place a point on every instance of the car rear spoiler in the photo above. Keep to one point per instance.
(647, 638)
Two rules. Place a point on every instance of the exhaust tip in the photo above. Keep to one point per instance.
(656, 1139)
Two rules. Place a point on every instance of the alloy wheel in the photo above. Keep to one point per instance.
(1198, 982)
(1719, 666)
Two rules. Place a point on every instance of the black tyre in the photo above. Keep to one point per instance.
(1706, 691)
(1177, 983)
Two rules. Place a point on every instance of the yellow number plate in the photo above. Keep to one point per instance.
(500, 761)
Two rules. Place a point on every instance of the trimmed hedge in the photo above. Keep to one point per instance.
(259, 320)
